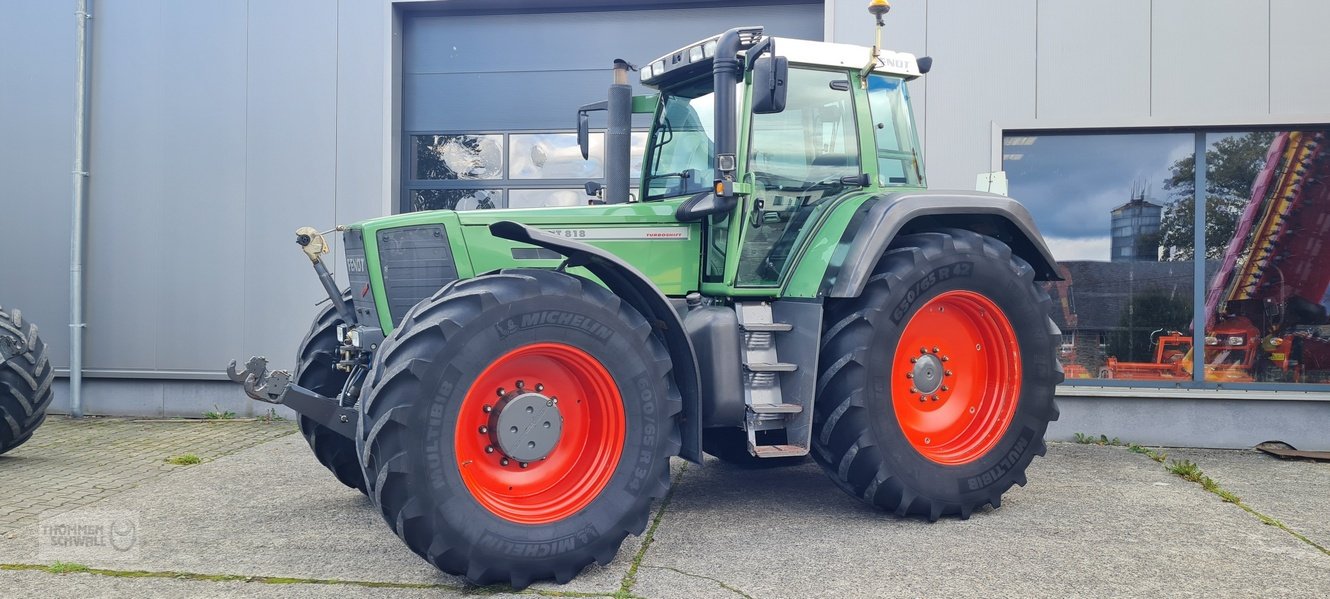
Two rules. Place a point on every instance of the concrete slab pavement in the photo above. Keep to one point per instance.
(72, 463)
(1295, 492)
(1094, 521)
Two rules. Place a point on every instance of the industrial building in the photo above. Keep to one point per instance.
(217, 127)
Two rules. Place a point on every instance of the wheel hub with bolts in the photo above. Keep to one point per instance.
(927, 373)
(524, 426)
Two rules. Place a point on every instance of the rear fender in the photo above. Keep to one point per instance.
(904, 213)
(635, 288)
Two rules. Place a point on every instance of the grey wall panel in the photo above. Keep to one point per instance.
(36, 156)
(1210, 58)
(291, 136)
(166, 197)
(1217, 421)
(1299, 72)
(128, 187)
(985, 72)
(362, 70)
(1094, 59)
(905, 30)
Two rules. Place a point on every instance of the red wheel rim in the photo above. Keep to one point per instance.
(582, 461)
(956, 377)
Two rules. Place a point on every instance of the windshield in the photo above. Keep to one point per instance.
(682, 144)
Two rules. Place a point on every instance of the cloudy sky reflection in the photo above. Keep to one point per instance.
(1071, 182)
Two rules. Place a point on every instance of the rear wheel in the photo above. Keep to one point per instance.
(517, 426)
(25, 380)
(936, 384)
(315, 370)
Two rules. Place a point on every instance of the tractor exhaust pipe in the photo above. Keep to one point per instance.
(618, 137)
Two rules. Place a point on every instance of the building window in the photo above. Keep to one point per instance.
(487, 170)
(1119, 211)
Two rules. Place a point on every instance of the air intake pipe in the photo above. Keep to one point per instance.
(618, 137)
(725, 74)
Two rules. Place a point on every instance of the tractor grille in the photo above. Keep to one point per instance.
(357, 272)
(415, 262)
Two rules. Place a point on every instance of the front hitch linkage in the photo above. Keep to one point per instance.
(259, 383)
(275, 386)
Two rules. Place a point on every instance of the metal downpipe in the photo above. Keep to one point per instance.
(82, 110)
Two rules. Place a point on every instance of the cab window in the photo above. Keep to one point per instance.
(893, 130)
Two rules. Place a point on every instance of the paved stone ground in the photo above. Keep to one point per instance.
(1094, 521)
(73, 463)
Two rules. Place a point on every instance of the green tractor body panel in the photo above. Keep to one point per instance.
(645, 235)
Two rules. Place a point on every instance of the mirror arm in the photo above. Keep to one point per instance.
(768, 44)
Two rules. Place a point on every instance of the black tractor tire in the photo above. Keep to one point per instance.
(730, 445)
(859, 438)
(25, 380)
(414, 432)
(315, 361)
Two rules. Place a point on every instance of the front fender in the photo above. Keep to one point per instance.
(900, 213)
(635, 288)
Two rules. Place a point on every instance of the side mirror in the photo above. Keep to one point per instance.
(925, 64)
(584, 133)
(702, 205)
(584, 126)
(769, 91)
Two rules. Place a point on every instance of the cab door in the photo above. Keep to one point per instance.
(796, 160)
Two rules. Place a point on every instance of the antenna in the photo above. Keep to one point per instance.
(877, 8)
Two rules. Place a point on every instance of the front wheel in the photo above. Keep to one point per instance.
(316, 370)
(936, 384)
(518, 425)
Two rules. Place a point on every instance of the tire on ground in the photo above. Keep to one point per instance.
(315, 361)
(443, 358)
(858, 437)
(730, 445)
(25, 380)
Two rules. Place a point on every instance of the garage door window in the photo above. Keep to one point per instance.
(487, 170)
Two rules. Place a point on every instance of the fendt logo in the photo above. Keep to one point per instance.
(356, 265)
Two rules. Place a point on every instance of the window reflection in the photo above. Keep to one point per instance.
(555, 156)
(1125, 304)
(456, 199)
(1268, 224)
(1102, 202)
(459, 156)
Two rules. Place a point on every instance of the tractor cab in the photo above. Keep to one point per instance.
(797, 128)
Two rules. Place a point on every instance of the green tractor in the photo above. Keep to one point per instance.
(508, 386)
